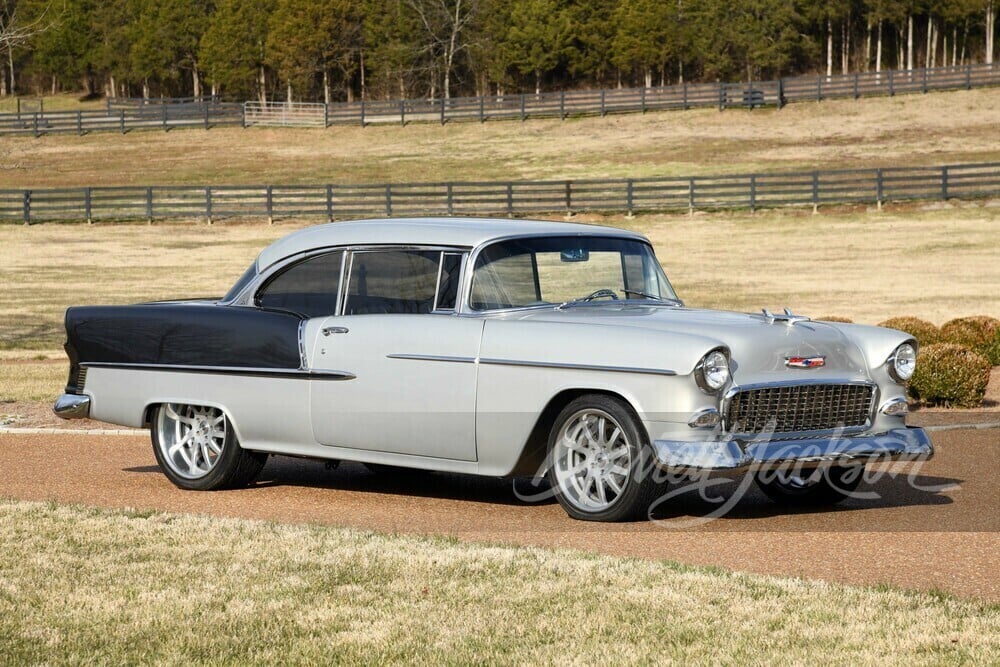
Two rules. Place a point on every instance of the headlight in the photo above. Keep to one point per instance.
(902, 363)
(712, 372)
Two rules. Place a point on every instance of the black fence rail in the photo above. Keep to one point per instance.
(337, 201)
(123, 115)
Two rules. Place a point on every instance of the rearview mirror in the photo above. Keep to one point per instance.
(577, 255)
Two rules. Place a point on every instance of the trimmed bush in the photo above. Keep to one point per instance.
(925, 332)
(979, 333)
(950, 375)
(835, 318)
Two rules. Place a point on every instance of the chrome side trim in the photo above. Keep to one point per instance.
(694, 421)
(578, 367)
(433, 357)
(303, 361)
(895, 406)
(72, 406)
(249, 371)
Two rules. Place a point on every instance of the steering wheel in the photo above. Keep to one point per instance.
(604, 292)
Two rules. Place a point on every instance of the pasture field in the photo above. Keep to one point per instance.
(931, 262)
(101, 586)
(910, 130)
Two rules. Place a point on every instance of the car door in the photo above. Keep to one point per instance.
(412, 358)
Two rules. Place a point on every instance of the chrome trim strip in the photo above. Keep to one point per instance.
(890, 406)
(577, 367)
(72, 406)
(693, 421)
(303, 361)
(250, 371)
(433, 357)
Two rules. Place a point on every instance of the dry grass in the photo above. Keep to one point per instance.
(934, 264)
(120, 587)
(61, 102)
(937, 128)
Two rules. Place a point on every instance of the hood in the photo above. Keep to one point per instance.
(758, 347)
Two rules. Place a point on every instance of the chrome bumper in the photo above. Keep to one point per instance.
(72, 406)
(908, 444)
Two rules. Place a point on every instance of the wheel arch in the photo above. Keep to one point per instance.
(151, 405)
(534, 451)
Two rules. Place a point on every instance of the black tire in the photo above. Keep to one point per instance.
(234, 467)
(822, 487)
(638, 487)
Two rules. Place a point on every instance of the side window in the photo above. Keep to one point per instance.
(392, 281)
(309, 288)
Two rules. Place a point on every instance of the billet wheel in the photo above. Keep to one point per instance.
(600, 460)
(805, 488)
(197, 448)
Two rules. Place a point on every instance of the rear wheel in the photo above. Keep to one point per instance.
(600, 460)
(810, 488)
(197, 448)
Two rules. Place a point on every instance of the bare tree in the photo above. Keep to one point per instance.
(446, 23)
(16, 32)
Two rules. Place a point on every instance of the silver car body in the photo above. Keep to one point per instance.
(464, 390)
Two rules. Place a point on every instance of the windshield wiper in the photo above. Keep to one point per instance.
(604, 292)
(647, 295)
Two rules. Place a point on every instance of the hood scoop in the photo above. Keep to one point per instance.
(788, 318)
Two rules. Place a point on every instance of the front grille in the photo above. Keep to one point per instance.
(797, 408)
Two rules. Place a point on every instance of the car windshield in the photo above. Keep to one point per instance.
(564, 270)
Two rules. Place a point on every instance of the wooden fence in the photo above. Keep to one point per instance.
(128, 114)
(336, 201)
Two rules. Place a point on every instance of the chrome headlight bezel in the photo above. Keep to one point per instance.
(713, 372)
(902, 362)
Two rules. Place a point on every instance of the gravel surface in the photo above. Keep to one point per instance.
(938, 528)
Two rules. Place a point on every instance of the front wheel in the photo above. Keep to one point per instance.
(810, 488)
(600, 460)
(197, 448)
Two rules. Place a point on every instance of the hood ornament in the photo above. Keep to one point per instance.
(788, 318)
(805, 362)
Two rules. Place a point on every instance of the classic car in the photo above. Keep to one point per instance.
(492, 347)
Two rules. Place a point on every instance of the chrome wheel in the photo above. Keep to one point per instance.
(191, 438)
(592, 460)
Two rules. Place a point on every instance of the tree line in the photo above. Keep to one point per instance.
(341, 49)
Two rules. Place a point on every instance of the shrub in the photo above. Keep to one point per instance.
(925, 332)
(836, 318)
(979, 333)
(951, 375)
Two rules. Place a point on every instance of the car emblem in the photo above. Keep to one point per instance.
(805, 362)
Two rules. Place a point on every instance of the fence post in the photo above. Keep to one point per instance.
(329, 203)
(442, 111)
(815, 192)
(722, 96)
(892, 90)
(819, 89)
(107, 105)
(879, 189)
(968, 76)
(362, 113)
(164, 108)
(691, 196)
(925, 81)
(402, 113)
(856, 75)
(451, 200)
(944, 183)
(684, 89)
(482, 109)
(86, 206)
(79, 123)
(270, 204)
(569, 199)
(206, 116)
(642, 100)
(149, 205)
(562, 105)
(326, 115)
(781, 93)
(27, 207)
(121, 120)
(629, 192)
(34, 123)
(510, 199)
(753, 193)
(388, 200)
(243, 116)
(522, 107)
(603, 111)
(208, 204)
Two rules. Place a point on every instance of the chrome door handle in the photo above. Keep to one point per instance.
(334, 330)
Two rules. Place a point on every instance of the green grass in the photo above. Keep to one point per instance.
(117, 587)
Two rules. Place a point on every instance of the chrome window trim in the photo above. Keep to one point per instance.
(795, 435)
(288, 373)
(264, 279)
